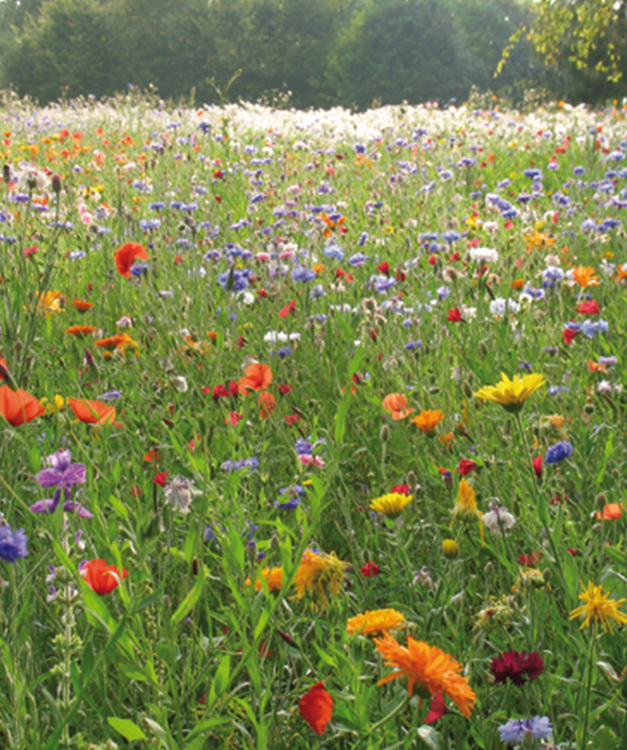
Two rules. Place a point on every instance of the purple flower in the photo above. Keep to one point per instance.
(63, 474)
(12, 545)
(516, 729)
(555, 454)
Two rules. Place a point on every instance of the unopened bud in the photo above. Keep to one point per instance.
(450, 549)
(412, 481)
(600, 501)
(489, 568)
(195, 566)
(56, 183)
(385, 434)
(6, 174)
(467, 388)
(18, 346)
(623, 674)
(547, 574)
(589, 408)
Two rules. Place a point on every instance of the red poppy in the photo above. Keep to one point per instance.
(396, 405)
(102, 578)
(126, 255)
(284, 389)
(611, 511)
(220, 391)
(537, 466)
(465, 466)
(291, 419)
(568, 335)
(288, 309)
(161, 478)
(257, 378)
(370, 570)
(234, 388)
(401, 489)
(92, 412)
(19, 407)
(316, 707)
(455, 315)
(384, 268)
(233, 418)
(590, 307)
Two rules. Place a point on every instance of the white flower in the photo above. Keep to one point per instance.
(273, 337)
(179, 383)
(499, 305)
(124, 322)
(178, 493)
(484, 254)
(498, 520)
(32, 179)
(490, 226)
(469, 313)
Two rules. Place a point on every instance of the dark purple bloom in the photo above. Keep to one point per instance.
(12, 545)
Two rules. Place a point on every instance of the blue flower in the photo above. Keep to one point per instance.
(515, 729)
(12, 545)
(557, 453)
(358, 259)
(334, 251)
(302, 273)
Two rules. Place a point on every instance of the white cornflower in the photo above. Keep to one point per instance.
(498, 520)
(178, 493)
(484, 254)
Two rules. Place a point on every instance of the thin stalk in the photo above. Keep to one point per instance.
(586, 713)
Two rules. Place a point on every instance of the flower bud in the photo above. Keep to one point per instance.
(56, 184)
(547, 574)
(450, 549)
(6, 174)
(467, 388)
(600, 501)
(385, 434)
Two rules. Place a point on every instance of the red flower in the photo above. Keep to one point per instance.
(93, 412)
(266, 403)
(288, 309)
(384, 268)
(127, 255)
(233, 418)
(591, 307)
(537, 466)
(284, 389)
(531, 559)
(291, 419)
(102, 578)
(316, 707)
(401, 276)
(438, 709)
(234, 388)
(569, 335)
(465, 466)
(218, 174)
(516, 667)
(455, 315)
(220, 391)
(370, 570)
(161, 478)
(19, 407)
(401, 489)
(257, 378)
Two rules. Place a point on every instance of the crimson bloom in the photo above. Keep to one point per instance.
(465, 466)
(288, 309)
(569, 334)
(19, 407)
(517, 667)
(370, 570)
(537, 466)
(316, 707)
(126, 255)
(102, 578)
(455, 315)
(589, 307)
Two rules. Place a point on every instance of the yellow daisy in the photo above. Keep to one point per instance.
(512, 394)
(391, 505)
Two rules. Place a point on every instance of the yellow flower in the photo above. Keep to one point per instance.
(320, 575)
(273, 576)
(466, 502)
(450, 549)
(376, 622)
(51, 303)
(512, 394)
(391, 505)
(52, 407)
(598, 607)
(429, 671)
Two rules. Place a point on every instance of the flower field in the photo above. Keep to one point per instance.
(313, 427)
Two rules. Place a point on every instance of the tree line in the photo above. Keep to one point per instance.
(353, 53)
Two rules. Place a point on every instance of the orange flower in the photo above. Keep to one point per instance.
(80, 331)
(316, 707)
(396, 404)
(585, 276)
(81, 305)
(267, 402)
(428, 669)
(152, 455)
(518, 283)
(428, 420)
(273, 576)
(611, 511)
(126, 255)
(102, 578)
(119, 343)
(92, 412)
(595, 366)
(19, 407)
(257, 378)
(212, 335)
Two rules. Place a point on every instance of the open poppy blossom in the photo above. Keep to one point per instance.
(126, 255)
(102, 578)
(316, 707)
(396, 404)
(19, 407)
(93, 412)
(611, 511)
(257, 377)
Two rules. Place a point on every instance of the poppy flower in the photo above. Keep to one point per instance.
(316, 707)
(537, 466)
(611, 511)
(257, 377)
(92, 412)
(438, 709)
(102, 578)
(126, 255)
(569, 334)
(219, 391)
(402, 489)
(161, 478)
(267, 402)
(396, 405)
(80, 331)
(233, 419)
(465, 466)
(19, 407)
(288, 309)
(589, 307)
(370, 570)
(454, 315)
(152, 455)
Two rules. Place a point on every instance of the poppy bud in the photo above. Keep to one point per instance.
(467, 388)
(6, 174)
(600, 501)
(287, 638)
(195, 566)
(412, 481)
(56, 184)
(385, 434)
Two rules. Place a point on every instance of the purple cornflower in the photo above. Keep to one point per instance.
(12, 545)
(516, 729)
(63, 474)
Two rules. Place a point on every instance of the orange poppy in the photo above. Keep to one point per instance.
(396, 404)
(428, 420)
(126, 255)
(152, 455)
(316, 707)
(19, 407)
(93, 412)
(82, 305)
(80, 331)
(611, 511)
(102, 578)
(267, 402)
(585, 276)
(257, 377)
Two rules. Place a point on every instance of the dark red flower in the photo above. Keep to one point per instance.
(455, 315)
(234, 388)
(531, 559)
(590, 307)
(220, 391)
(233, 418)
(161, 478)
(438, 709)
(284, 389)
(516, 667)
(401, 276)
(384, 268)
(537, 466)
(465, 466)
(569, 335)
(370, 570)
(316, 707)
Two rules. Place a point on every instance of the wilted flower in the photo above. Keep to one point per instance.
(498, 520)
(178, 493)
(320, 575)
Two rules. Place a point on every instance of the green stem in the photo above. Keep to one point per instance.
(586, 713)
(375, 727)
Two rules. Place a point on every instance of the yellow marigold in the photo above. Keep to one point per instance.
(376, 622)
(599, 608)
(428, 420)
(391, 505)
(429, 671)
(512, 394)
(52, 407)
(320, 575)
(273, 576)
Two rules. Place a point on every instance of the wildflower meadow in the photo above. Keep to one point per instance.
(313, 427)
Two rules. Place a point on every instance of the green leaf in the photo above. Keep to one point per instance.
(133, 672)
(127, 728)
(605, 739)
(220, 681)
(189, 602)
(119, 507)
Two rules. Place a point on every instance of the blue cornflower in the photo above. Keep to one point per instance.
(139, 269)
(12, 545)
(302, 273)
(241, 279)
(451, 236)
(358, 259)
(557, 453)
(381, 284)
(334, 251)
(515, 729)
(244, 463)
(317, 292)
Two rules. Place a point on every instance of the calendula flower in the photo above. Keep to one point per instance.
(82, 305)
(512, 394)
(80, 331)
(391, 505)
(121, 342)
(273, 577)
(376, 622)
(320, 575)
(428, 420)
(429, 671)
(466, 502)
(599, 608)
(585, 276)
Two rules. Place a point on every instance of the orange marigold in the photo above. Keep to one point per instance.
(428, 420)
